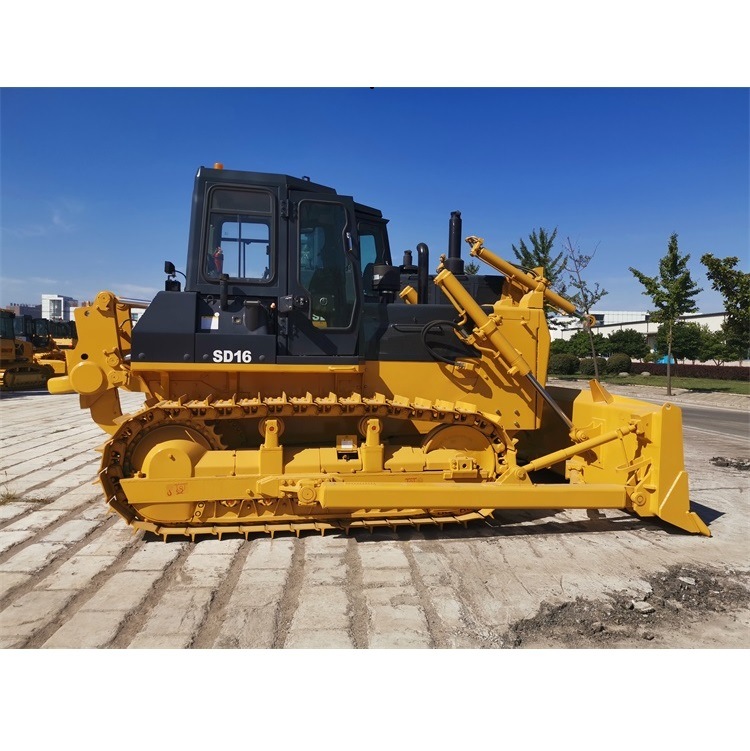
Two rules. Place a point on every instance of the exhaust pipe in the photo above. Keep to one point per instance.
(423, 272)
(454, 263)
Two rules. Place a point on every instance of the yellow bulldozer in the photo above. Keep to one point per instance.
(302, 380)
(19, 366)
(49, 340)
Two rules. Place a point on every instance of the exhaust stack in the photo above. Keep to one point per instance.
(454, 263)
(423, 272)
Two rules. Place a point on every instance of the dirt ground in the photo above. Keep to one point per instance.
(687, 606)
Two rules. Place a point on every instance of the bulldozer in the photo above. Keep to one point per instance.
(304, 381)
(48, 339)
(19, 367)
(63, 334)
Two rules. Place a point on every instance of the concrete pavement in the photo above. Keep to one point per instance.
(72, 576)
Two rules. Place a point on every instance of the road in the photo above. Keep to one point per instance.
(728, 422)
(73, 576)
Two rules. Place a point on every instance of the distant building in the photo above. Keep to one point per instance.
(135, 313)
(81, 304)
(616, 320)
(58, 307)
(23, 309)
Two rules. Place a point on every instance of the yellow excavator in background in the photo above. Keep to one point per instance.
(303, 380)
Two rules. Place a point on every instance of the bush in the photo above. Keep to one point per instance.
(723, 372)
(563, 364)
(629, 341)
(587, 365)
(619, 363)
(559, 347)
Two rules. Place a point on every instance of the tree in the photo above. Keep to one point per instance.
(586, 344)
(540, 254)
(734, 287)
(687, 341)
(585, 296)
(559, 347)
(629, 342)
(713, 346)
(672, 293)
(471, 268)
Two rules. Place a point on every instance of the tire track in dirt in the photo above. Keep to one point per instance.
(290, 597)
(135, 621)
(437, 632)
(208, 632)
(76, 601)
(359, 619)
(10, 593)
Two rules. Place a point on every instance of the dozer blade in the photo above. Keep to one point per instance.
(649, 462)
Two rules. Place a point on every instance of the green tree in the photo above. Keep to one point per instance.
(580, 344)
(629, 342)
(540, 254)
(471, 268)
(559, 347)
(672, 292)
(713, 346)
(585, 295)
(687, 341)
(734, 287)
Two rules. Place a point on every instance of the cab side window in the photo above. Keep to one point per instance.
(373, 249)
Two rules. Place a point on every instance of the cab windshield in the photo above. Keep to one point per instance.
(6, 328)
(239, 237)
(41, 327)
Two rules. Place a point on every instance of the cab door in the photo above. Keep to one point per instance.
(324, 304)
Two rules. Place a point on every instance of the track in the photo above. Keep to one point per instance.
(205, 418)
(24, 377)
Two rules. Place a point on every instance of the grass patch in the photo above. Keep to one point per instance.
(692, 384)
(7, 495)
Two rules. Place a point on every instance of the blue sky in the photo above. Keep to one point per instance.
(96, 183)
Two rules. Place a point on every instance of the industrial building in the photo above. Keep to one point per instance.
(58, 307)
(564, 327)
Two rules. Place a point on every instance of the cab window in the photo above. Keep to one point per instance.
(326, 267)
(6, 327)
(373, 243)
(239, 240)
(373, 249)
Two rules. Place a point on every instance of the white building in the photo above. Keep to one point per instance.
(135, 313)
(58, 307)
(616, 320)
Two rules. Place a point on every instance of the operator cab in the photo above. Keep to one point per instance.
(284, 270)
(270, 255)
